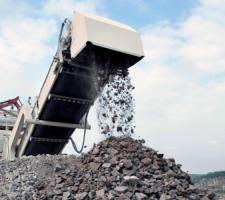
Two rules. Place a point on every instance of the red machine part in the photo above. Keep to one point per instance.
(16, 102)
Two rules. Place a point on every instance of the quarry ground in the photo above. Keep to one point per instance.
(116, 168)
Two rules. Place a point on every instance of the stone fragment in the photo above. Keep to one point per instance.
(57, 191)
(129, 171)
(92, 194)
(100, 194)
(81, 196)
(163, 197)
(65, 195)
(111, 196)
(106, 165)
(127, 164)
(58, 167)
(140, 196)
(146, 161)
(211, 195)
(94, 166)
(123, 197)
(95, 151)
(121, 189)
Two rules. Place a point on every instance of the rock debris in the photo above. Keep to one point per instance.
(116, 107)
(116, 168)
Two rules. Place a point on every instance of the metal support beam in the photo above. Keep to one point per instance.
(57, 124)
(53, 140)
(70, 99)
(77, 74)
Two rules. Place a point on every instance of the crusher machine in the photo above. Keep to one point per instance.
(91, 49)
(7, 120)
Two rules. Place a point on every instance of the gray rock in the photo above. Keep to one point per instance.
(140, 196)
(66, 195)
(57, 191)
(106, 165)
(58, 167)
(81, 196)
(69, 177)
(163, 197)
(127, 164)
(121, 189)
(94, 166)
(100, 193)
(146, 161)
(111, 196)
(92, 194)
(95, 151)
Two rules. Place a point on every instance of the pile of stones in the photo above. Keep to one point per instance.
(116, 168)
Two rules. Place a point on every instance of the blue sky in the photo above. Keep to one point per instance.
(137, 13)
(140, 13)
(180, 84)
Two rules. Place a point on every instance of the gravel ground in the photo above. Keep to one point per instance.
(116, 168)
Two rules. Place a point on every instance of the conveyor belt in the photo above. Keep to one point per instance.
(76, 81)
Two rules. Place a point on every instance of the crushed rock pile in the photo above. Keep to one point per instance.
(117, 168)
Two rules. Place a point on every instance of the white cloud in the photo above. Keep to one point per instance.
(23, 50)
(63, 8)
(204, 44)
(24, 41)
(28, 40)
(179, 98)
